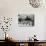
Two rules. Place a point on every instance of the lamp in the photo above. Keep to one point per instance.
(36, 3)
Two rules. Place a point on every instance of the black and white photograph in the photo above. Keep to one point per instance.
(26, 20)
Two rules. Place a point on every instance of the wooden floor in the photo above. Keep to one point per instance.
(3, 43)
(26, 43)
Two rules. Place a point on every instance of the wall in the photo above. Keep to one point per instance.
(11, 8)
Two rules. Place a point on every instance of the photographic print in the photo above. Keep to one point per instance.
(26, 20)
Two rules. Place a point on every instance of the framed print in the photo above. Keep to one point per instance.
(26, 20)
